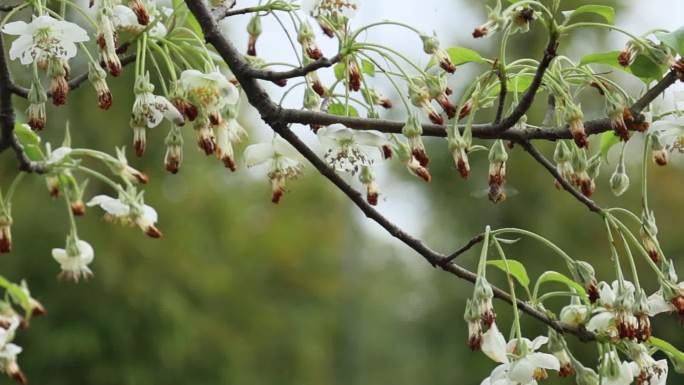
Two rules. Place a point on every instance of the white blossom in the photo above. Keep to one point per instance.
(129, 213)
(44, 38)
(282, 160)
(348, 150)
(74, 260)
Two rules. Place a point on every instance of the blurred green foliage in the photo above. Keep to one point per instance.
(243, 292)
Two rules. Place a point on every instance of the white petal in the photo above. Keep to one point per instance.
(371, 138)
(59, 254)
(168, 110)
(110, 205)
(58, 155)
(150, 214)
(606, 294)
(545, 361)
(21, 49)
(600, 322)
(522, 371)
(86, 252)
(15, 28)
(657, 304)
(494, 345)
(258, 153)
(539, 342)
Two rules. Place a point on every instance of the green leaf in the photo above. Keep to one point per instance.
(554, 276)
(643, 67)
(368, 67)
(17, 293)
(341, 110)
(674, 40)
(608, 140)
(514, 268)
(675, 355)
(604, 11)
(460, 55)
(646, 69)
(195, 25)
(340, 71)
(30, 141)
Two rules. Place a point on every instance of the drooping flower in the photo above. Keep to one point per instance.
(129, 212)
(614, 371)
(441, 56)
(282, 160)
(173, 158)
(615, 317)
(36, 110)
(367, 178)
(497, 172)
(126, 172)
(44, 38)
(228, 132)
(494, 21)
(9, 353)
(348, 150)
(74, 259)
(209, 92)
(522, 364)
(148, 111)
(107, 40)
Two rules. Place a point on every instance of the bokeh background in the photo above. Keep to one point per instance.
(308, 292)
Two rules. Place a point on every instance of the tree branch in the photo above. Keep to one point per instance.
(276, 118)
(564, 183)
(527, 99)
(293, 73)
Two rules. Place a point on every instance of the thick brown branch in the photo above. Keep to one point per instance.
(276, 119)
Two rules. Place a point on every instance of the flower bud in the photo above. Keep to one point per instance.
(58, 70)
(629, 53)
(372, 96)
(649, 240)
(574, 118)
(659, 152)
(367, 178)
(420, 97)
(316, 83)
(140, 11)
(585, 273)
(413, 130)
(523, 16)
(97, 76)
(307, 39)
(36, 111)
(472, 318)
(106, 41)
(618, 115)
(205, 137)
(5, 234)
(404, 154)
(139, 138)
(254, 31)
(619, 181)
(174, 150)
(353, 75)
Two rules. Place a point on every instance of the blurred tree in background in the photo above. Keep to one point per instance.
(240, 292)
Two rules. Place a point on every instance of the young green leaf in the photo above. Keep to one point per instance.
(608, 13)
(30, 141)
(674, 40)
(368, 67)
(340, 71)
(341, 110)
(643, 67)
(460, 55)
(554, 276)
(514, 268)
(608, 140)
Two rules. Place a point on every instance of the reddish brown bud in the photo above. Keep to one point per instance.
(140, 12)
(153, 232)
(435, 117)
(386, 151)
(78, 208)
(60, 90)
(480, 32)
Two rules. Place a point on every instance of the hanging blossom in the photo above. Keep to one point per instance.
(10, 351)
(615, 315)
(128, 19)
(614, 371)
(74, 259)
(148, 111)
(520, 362)
(127, 211)
(44, 38)
(282, 160)
(645, 368)
(670, 298)
(349, 150)
(211, 92)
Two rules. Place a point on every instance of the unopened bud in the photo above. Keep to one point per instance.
(619, 181)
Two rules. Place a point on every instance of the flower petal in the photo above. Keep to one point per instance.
(494, 345)
(259, 153)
